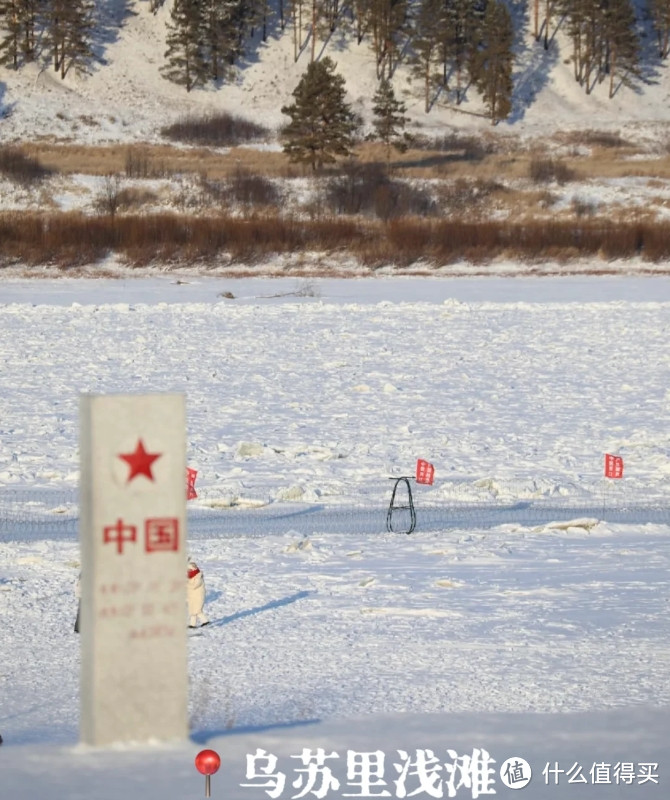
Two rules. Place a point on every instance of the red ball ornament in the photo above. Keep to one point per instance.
(207, 762)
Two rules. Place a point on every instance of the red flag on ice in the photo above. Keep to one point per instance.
(191, 475)
(613, 466)
(425, 472)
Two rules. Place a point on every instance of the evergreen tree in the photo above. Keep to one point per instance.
(604, 41)
(389, 118)
(576, 16)
(536, 19)
(549, 9)
(539, 26)
(660, 14)
(425, 46)
(322, 124)
(186, 62)
(69, 28)
(10, 21)
(621, 43)
(461, 40)
(31, 13)
(361, 12)
(18, 21)
(295, 10)
(387, 20)
(220, 35)
(495, 61)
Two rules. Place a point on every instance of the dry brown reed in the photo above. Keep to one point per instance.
(73, 239)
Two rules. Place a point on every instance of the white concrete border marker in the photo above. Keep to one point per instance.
(134, 684)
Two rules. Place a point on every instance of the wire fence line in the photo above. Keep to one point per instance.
(33, 514)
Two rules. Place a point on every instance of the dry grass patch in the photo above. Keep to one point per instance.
(147, 161)
(600, 139)
(142, 161)
(21, 167)
(132, 198)
(550, 170)
(72, 240)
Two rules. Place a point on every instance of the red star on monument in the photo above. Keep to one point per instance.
(140, 461)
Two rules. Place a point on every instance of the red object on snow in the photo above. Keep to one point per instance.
(613, 466)
(207, 763)
(191, 475)
(191, 573)
(425, 471)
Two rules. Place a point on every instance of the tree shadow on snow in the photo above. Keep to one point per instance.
(5, 110)
(109, 17)
(253, 44)
(650, 63)
(204, 736)
(533, 63)
(269, 606)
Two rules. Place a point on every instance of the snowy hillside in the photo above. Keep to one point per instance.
(126, 99)
(613, 154)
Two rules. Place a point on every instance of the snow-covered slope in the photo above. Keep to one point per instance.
(125, 98)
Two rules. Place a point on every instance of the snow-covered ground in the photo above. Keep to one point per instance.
(547, 642)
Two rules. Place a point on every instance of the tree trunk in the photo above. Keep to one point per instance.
(313, 30)
(547, 17)
(295, 37)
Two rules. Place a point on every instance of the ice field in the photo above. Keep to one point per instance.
(526, 616)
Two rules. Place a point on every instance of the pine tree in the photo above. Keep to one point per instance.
(604, 39)
(660, 14)
(585, 26)
(257, 12)
(361, 11)
(495, 61)
(240, 16)
(536, 19)
(461, 40)
(78, 44)
(387, 20)
(69, 28)
(220, 35)
(186, 63)
(322, 124)
(31, 13)
(389, 118)
(621, 43)
(538, 26)
(18, 20)
(10, 21)
(425, 46)
(549, 9)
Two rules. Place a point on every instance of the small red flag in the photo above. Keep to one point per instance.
(425, 472)
(191, 475)
(613, 466)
